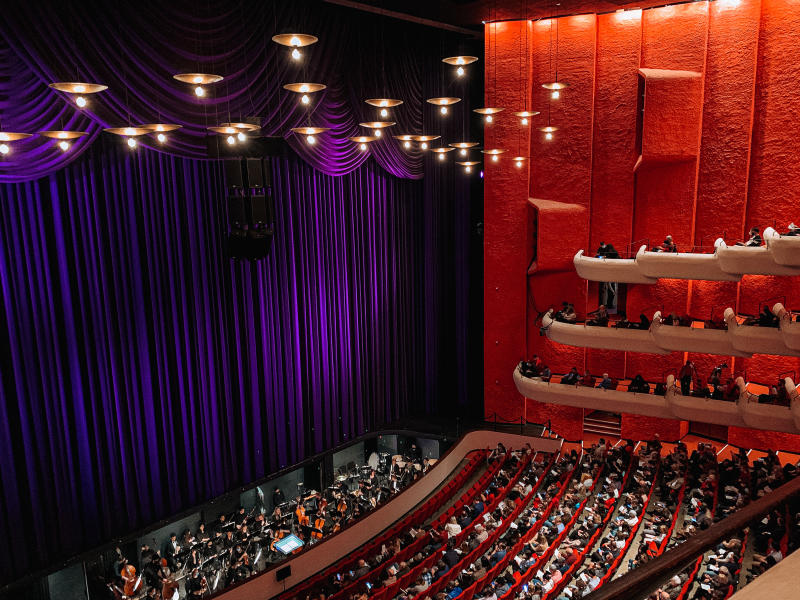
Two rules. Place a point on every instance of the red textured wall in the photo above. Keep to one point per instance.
(744, 171)
(639, 427)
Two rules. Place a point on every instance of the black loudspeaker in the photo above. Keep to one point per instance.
(283, 573)
(233, 174)
(255, 173)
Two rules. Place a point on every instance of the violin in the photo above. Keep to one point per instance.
(341, 507)
(133, 584)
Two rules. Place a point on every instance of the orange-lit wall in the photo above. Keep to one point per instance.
(739, 166)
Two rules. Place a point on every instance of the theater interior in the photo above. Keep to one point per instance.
(399, 300)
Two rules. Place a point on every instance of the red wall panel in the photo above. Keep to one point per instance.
(505, 223)
(638, 427)
(566, 421)
(774, 193)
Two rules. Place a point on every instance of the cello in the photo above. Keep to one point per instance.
(133, 584)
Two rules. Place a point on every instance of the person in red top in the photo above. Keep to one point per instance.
(587, 379)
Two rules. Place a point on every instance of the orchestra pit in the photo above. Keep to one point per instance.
(399, 300)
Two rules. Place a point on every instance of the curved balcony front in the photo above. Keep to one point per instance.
(745, 412)
(735, 340)
(779, 256)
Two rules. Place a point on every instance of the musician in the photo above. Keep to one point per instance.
(243, 535)
(202, 536)
(228, 541)
(240, 518)
(173, 551)
(240, 564)
(277, 497)
(196, 586)
(220, 525)
(194, 560)
(147, 554)
(277, 516)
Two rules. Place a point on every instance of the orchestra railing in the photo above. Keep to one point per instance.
(642, 581)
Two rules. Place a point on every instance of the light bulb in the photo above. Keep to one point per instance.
(443, 110)
(463, 152)
(62, 135)
(524, 120)
(468, 169)
(311, 139)
(80, 101)
(64, 146)
(231, 140)
(384, 112)
(161, 138)
(363, 147)
(460, 60)
(294, 41)
(305, 99)
(555, 95)
(488, 118)
(460, 71)
(241, 136)
(159, 127)
(519, 164)
(296, 54)
(131, 143)
(494, 158)
(198, 79)
(4, 149)
(441, 155)
(79, 89)
(548, 136)
(384, 103)
(304, 88)
(424, 145)
(199, 92)
(407, 144)
(377, 133)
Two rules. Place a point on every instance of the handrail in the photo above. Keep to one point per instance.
(643, 580)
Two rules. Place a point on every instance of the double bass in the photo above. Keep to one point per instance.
(133, 584)
(319, 523)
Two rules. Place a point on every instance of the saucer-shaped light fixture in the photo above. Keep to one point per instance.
(494, 153)
(310, 133)
(362, 141)
(460, 61)
(161, 129)
(305, 89)
(376, 126)
(241, 126)
(468, 164)
(80, 89)
(518, 160)
(488, 112)
(524, 115)
(13, 136)
(127, 131)
(424, 139)
(443, 103)
(384, 104)
(441, 152)
(548, 131)
(463, 147)
(198, 80)
(224, 129)
(295, 41)
(62, 134)
(555, 88)
(406, 139)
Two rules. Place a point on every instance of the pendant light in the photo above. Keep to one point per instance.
(79, 90)
(305, 89)
(468, 164)
(362, 141)
(295, 41)
(460, 62)
(384, 104)
(198, 80)
(488, 112)
(555, 86)
(443, 103)
(424, 140)
(377, 126)
(494, 153)
(161, 130)
(310, 133)
(63, 135)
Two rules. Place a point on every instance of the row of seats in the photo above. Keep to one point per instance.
(476, 460)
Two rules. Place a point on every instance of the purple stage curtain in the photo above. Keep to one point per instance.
(143, 372)
(136, 47)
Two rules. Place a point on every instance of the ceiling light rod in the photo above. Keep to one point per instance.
(406, 17)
